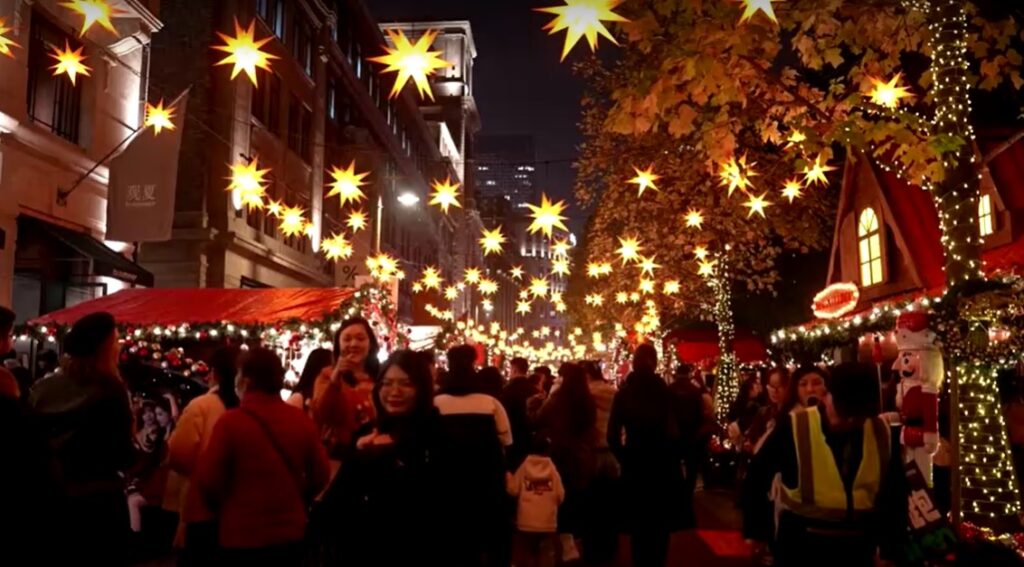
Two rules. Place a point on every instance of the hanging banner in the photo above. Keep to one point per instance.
(143, 182)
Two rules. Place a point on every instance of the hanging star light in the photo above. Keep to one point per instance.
(293, 223)
(539, 287)
(634, 297)
(487, 286)
(69, 62)
(757, 205)
(411, 61)
(795, 139)
(737, 174)
(672, 287)
(816, 173)
(451, 293)
(492, 241)
(472, 276)
(6, 43)
(629, 249)
(94, 12)
(356, 221)
(647, 266)
(582, 18)
(248, 184)
(645, 179)
(431, 278)
(347, 183)
(560, 267)
(524, 294)
(752, 7)
(793, 189)
(336, 247)
(274, 208)
(417, 287)
(523, 308)
(694, 219)
(700, 252)
(446, 194)
(622, 297)
(559, 307)
(646, 287)
(517, 272)
(707, 268)
(547, 217)
(560, 248)
(244, 52)
(595, 300)
(888, 94)
(158, 117)
(595, 270)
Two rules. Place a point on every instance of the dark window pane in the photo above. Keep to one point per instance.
(52, 101)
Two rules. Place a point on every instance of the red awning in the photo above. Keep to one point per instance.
(195, 306)
(697, 346)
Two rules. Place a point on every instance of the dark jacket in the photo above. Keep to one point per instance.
(26, 511)
(515, 398)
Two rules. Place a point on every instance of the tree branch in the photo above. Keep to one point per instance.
(777, 81)
(994, 152)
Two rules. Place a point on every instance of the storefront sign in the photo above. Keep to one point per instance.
(836, 300)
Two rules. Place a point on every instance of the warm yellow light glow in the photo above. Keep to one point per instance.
(560, 267)
(888, 94)
(707, 268)
(384, 267)
(336, 247)
(595, 300)
(293, 221)
(69, 62)
(6, 43)
(672, 287)
(795, 139)
(599, 269)
(547, 216)
(646, 287)
(559, 307)
(736, 174)
(517, 272)
(816, 173)
(634, 297)
(757, 204)
(487, 286)
(94, 12)
(274, 208)
(244, 51)
(645, 179)
(492, 241)
(347, 183)
(356, 221)
(523, 308)
(524, 294)
(472, 276)
(556, 296)
(431, 278)
(417, 287)
(412, 61)
(560, 248)
(793, 189)
(700, 252)
(539, 287)
(158, 117)
(451, 293)
(622, 297)
(582, 18)
(647, 266)
(248, 181)
(694, 219)
(752, 7)
(629, 249)
(446, 194)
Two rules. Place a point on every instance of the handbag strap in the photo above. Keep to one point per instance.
(281, 453)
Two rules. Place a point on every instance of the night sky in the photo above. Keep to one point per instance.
(521, 88)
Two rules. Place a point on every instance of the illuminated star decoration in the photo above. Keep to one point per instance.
(793, 189)
(622, 297)
(5, 42)
(595, 299)
(694, 218)
(560, 267)
(795, 139)
(816, 173)
(671, 287)
(94, 12)
(244, 51)
(737, 174)
(247, 180)
(752, 7)
(517, 272)
(451, 293)
(336, 247)
(431, 278)
(158, 117)
(647, 266)
(274, 208)
(347, 183)
(596, 269)
(446, 194)
(472, 276)
(383, 267)
(539, 287)
(757, 205)
(293, 223)
(645, 179)
(547, 217)
(523, 307)
(492, 241)
(646, 287)
(69, 62)
(524, 294)
(357, 221)
(560, 248)
(888, 94)
(487, 286)
(582, 18)
(707, 268)
(629, 249)
(700, 252)
(411, 61)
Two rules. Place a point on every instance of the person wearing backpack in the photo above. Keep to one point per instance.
(261, 469)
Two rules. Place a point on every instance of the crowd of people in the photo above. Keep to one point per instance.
(406, 463)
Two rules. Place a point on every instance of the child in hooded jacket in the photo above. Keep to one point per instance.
(539, 492)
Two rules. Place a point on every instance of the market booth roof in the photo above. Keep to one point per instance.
(698, 346)
(207, 305)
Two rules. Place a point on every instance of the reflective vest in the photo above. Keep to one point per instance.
(820, 493)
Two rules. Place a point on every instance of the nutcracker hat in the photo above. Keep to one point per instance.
(913, 333)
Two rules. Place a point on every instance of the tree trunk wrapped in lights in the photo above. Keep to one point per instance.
(726, 383)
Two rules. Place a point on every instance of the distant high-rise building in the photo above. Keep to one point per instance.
(506, 166)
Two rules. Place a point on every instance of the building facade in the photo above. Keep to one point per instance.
(322, 105)
(55, 138)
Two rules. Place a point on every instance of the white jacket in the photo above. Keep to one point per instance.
(538, 488)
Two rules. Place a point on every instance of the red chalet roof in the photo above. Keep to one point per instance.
(194, 306)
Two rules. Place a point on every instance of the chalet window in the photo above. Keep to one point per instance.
(986, 220)
(869, 236)
(52, 101)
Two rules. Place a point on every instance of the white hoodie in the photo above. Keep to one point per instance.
(538, 488)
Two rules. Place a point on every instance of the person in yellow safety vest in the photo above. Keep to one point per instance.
(839, 495)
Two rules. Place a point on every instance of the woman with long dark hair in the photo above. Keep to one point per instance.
(320, 362)
(387, 486)
(197, 528)
(343, 401)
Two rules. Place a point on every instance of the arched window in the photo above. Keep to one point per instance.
(869, 237)
(986, 220)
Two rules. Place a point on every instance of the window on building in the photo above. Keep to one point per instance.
(266, 101)
(300, 128)
(869, 236)
(272, 14)
(986, 220)
(332, 100)
(52, 101)
(302, 44)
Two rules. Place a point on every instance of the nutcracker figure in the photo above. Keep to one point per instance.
(921, 372)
